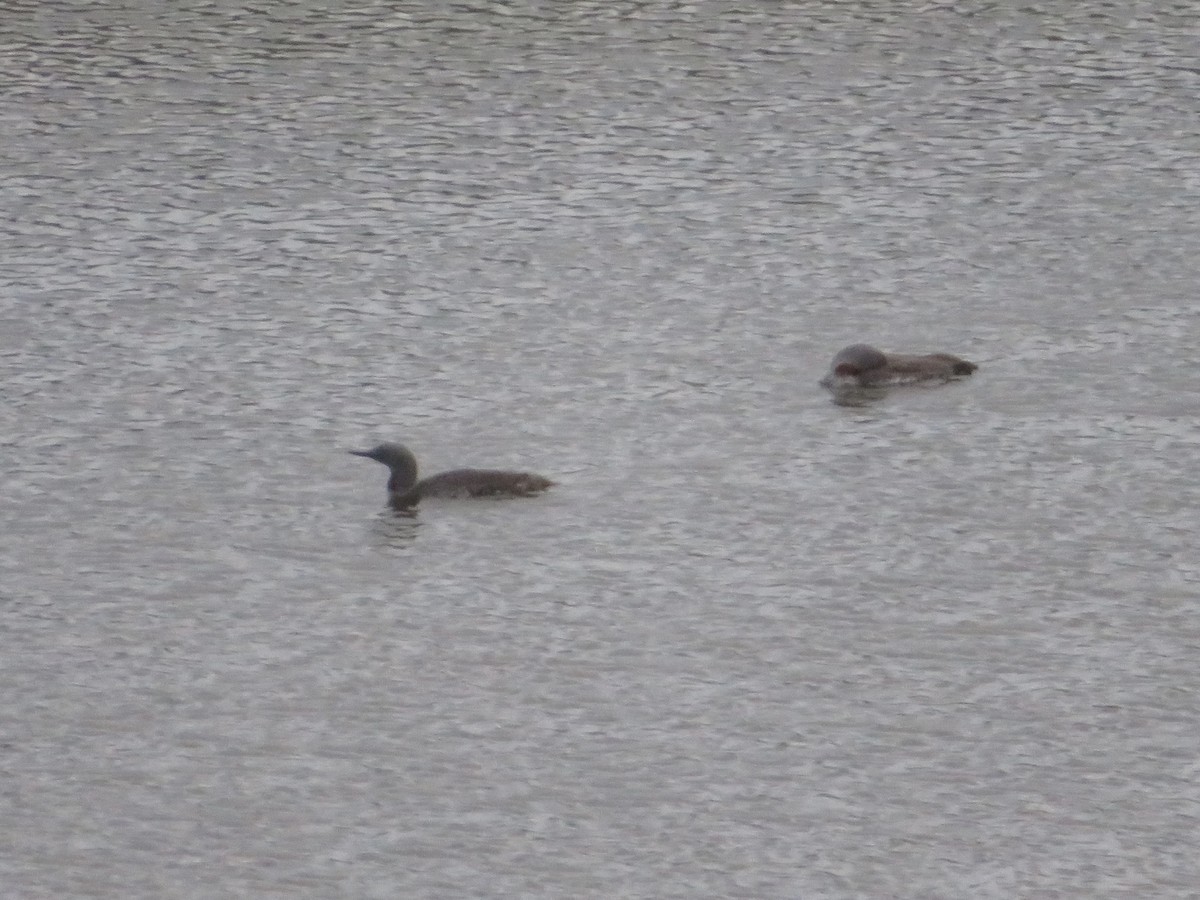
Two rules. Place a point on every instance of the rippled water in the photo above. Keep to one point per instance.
(755, 644)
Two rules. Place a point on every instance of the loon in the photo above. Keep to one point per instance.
(405, 491)
(861, 365)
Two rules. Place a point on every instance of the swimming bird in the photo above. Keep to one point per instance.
(861, 365)
(405, 491)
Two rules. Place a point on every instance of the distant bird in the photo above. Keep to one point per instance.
(405, 491)
(861, 365)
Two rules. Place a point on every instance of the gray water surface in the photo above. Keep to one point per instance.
(754, 644)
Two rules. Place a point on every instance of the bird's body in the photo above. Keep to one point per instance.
(406, 491)
(861, 365)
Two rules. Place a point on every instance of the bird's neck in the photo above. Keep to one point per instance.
(400, 482)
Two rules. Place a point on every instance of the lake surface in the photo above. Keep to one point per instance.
(755, 644)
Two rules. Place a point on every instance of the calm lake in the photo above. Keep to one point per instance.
(754, 644)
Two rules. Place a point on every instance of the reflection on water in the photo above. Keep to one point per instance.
(395, 528)
(850, 394)
(753, 645)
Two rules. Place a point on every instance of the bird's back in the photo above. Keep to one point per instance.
(482, 483)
